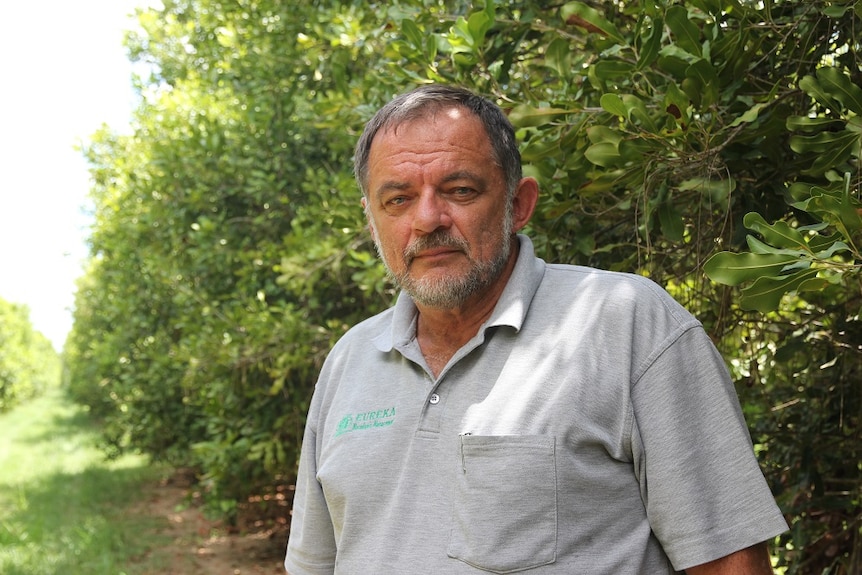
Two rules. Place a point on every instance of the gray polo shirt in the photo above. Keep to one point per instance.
(589, 427)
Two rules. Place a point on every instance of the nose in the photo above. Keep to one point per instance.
(432, 213)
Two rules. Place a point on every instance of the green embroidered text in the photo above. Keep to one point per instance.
(365, 420)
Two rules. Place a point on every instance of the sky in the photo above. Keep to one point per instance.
(65, 73)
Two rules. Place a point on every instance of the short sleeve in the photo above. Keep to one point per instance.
(311, 544)
(703, 489)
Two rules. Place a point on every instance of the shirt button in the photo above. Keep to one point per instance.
(434, 399)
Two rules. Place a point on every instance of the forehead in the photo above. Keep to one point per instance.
(450, 134)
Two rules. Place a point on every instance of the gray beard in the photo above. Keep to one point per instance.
(453, 292)
(449, 292)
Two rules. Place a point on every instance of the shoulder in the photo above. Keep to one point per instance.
(587, 277)
(610, 293)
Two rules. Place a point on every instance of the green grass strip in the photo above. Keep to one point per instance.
(63, 506)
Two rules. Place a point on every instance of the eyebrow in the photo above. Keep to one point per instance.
(391, 186)
(466, 175)
(397, 186)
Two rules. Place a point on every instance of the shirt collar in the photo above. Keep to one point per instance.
(511, 308)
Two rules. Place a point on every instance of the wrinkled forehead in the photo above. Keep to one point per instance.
(451, 132)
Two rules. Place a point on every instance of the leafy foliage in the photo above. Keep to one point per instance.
(185, 341)
(229, 251)
(29, 365)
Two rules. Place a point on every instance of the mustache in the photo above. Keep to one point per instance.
(438, 239)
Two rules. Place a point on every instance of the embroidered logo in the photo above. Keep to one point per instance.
(365, 420)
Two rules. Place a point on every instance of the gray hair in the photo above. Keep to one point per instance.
(429, 99)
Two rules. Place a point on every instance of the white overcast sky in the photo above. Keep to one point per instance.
(64, 72)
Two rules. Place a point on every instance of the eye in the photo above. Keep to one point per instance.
(396, 204)
(462, 193)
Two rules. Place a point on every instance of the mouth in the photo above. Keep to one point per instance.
(432, 250)
(433, 256)
(437, 252)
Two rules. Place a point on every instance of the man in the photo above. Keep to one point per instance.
(509, 415)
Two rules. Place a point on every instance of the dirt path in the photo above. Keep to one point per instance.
(197, 545)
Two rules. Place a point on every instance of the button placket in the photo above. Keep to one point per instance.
(434, 406)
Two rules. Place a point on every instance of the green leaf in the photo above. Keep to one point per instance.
(613, 104)
(779, 234)
(814, 284)
(714, 7)
(650, 46)
(612, 69)
(677, 103)
(749, 116)
(672, 224)
(601, 184)
(605, 154)
(831, 149)
(760, 247)
(834, 11)
(635, 149)
(687, 35)
(806, 124)
(538, 149)
(671, 63)
(462, 30)
(585, 244)
(675, 60)
(579, 14)
(841, 88)
(735, 268)
(823, 142)
(833, 249)
(841, 212)
(526, 116)
(598, 134)
(818, 243)
(411, 31)
(765, 294)
(431, 46)
(636, 109)
(704, 74)
(558, 56)
(812, 87)
(479, 23)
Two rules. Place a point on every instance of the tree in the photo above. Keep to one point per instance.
(185, 340)
(29, 365)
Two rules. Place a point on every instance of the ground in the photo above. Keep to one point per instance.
(195, 544)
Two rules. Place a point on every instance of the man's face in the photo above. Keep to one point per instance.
(437, 208)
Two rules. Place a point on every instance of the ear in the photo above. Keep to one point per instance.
(367, 211)
(524, 202)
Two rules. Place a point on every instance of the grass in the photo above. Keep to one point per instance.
(63, 507)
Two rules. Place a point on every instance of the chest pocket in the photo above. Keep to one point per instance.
(504, 515)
